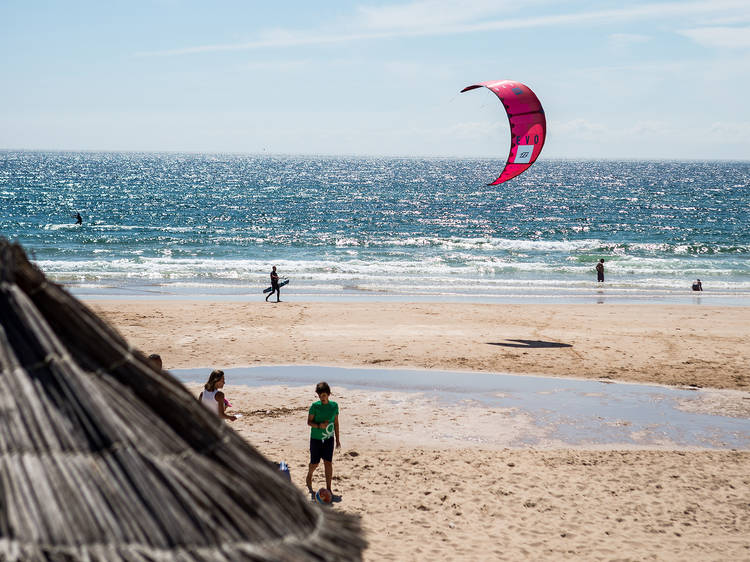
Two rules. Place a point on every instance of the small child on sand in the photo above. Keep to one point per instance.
(155, 361)
(323, 418)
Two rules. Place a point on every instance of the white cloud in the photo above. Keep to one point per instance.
(474, 130)
(437, 18)
(623, 40)
(641, 129)
(722, 37)
(431, 13)
(280, 66)
(735, 131)
(728, 18)
(578, 128)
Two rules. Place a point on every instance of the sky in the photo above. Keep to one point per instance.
(618, 80)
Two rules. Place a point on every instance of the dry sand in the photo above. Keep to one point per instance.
(426, 497)
(427, 492)
(675, 345)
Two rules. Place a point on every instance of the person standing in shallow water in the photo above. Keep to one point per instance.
(323, 418)
(600, 271)
(274, 285)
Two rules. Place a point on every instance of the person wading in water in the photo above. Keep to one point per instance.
(600, 271)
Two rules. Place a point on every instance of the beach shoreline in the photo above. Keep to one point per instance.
(581, 294)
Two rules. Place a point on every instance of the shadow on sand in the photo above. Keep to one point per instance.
(528, 344)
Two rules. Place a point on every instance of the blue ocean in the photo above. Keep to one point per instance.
(212, 225)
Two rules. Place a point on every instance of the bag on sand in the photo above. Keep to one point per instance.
(284, 468)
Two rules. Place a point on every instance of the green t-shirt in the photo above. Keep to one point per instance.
(322, 413)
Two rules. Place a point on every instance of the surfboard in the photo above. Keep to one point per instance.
(269, 289)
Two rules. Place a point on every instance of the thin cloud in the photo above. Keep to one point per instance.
(622, 40)
(434, 13)
(734, 132)
(271, 40)
(579, 128)
(473, 130)
(721, 37)
(641, 129)
(405, 21)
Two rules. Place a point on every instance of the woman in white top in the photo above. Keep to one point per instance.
(212, 397)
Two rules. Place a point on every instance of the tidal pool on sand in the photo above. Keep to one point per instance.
(565, 412)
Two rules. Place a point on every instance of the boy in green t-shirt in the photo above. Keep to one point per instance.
(323, 418)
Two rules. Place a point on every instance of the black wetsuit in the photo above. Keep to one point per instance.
(275, 286)
(600, 272)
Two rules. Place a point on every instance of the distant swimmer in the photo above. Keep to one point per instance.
(79, 219)
(600, 271)
(697, 285)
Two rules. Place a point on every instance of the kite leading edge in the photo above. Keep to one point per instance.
(528, 127)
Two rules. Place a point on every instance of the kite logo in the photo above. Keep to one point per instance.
(523, 154)
(516, 90)
(528, 138)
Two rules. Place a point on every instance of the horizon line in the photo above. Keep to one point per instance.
(363, 155)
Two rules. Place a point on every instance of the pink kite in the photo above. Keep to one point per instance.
(528, 127)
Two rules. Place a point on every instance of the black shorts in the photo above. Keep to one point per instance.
(321, 449)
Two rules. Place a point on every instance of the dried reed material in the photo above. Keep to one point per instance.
(102, 458)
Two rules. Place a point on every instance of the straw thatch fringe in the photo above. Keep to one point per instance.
(102, 458)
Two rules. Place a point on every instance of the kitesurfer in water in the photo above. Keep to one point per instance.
(697, 285)
(600, 271)
(79, 219)
(274, 285)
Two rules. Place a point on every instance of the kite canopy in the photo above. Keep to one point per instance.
(528, 127)
(104, 459)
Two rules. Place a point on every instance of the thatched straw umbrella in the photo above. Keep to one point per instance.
(102, 458)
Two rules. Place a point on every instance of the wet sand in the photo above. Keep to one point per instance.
(426, 489)
(425, 497)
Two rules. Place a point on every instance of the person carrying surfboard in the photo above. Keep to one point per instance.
(274, 285)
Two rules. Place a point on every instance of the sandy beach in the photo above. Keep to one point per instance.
(426, 498)
(665, 344)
